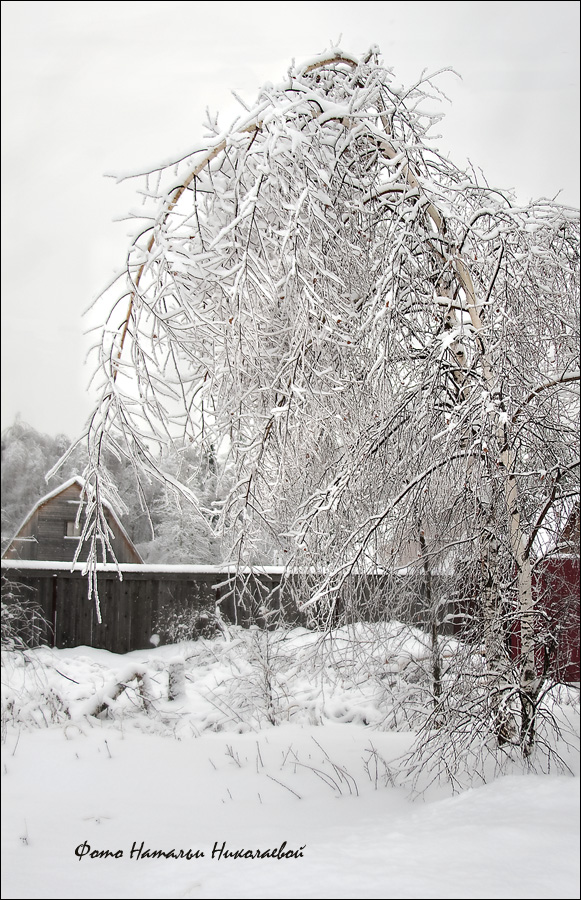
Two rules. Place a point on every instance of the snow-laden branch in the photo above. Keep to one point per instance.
(363, 336)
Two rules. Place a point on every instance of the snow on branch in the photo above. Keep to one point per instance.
(364, 336)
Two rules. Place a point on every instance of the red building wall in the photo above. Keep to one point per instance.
(556, 593)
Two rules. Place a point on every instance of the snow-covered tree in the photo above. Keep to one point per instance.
(26, 457)
(378, 345)
(179, 532)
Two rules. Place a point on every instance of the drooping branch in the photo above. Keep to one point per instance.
(357, 330)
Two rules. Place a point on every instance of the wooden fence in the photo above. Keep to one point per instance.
(144, 608)
(170, 603)
(166, 604)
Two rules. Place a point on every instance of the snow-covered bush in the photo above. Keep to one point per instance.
(187, 623)
(23, 622)
(378, 676)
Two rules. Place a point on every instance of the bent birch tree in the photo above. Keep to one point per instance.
(376, 343)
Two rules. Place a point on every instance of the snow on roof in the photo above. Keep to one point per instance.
(43, 500)
(75, 479)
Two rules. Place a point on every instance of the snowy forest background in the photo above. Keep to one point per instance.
(180, 535)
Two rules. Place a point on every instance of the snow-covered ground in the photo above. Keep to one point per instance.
(209, 773)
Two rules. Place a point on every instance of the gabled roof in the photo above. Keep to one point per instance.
(78, 480)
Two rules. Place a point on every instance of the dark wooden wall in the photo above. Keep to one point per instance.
(43, 535)
(177, 605)
(171, 605)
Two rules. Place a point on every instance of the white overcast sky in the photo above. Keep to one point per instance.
(90, 88)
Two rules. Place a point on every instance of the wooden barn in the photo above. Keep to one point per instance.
(49, 532)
